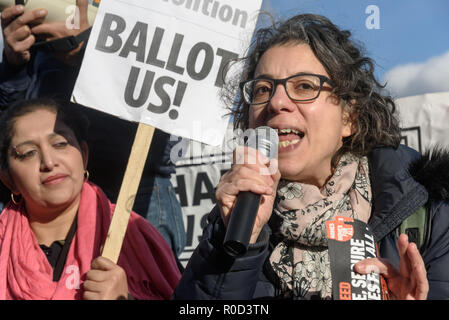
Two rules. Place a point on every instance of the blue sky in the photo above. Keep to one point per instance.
(410, 48)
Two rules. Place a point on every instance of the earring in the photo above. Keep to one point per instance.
(14, 199)
(86, 175)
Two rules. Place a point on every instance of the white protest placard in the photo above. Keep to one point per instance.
(159, 62)
(424, 120)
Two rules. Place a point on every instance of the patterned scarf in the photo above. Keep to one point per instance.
(301, 259)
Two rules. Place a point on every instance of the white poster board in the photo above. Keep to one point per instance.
(159, 62)
(425, 120)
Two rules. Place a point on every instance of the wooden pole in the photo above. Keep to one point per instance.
(128, 190)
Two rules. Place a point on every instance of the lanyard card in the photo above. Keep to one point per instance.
(351, 241)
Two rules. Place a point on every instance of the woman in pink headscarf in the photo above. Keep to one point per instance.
(52, 231)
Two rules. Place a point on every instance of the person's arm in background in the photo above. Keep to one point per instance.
(20, 31)
(17, 41)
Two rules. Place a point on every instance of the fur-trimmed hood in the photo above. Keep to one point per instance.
(432, 171)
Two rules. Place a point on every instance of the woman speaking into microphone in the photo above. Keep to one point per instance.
(339, 155)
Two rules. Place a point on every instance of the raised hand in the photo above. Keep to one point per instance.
(17, 34)
(407, 283)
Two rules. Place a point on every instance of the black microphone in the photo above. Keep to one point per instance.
(243, 216)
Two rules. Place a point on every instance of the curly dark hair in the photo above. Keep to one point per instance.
(69, 113)
(372, 112)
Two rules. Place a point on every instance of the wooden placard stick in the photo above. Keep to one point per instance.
(128, 190)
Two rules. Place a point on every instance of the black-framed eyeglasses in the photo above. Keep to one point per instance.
(299, 87)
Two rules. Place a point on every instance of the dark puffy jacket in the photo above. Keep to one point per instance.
(402, 181)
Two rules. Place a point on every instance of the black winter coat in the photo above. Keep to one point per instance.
(402, 181)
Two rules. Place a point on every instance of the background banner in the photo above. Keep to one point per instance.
(425, 120)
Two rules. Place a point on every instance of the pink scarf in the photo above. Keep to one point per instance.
(25, 272)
